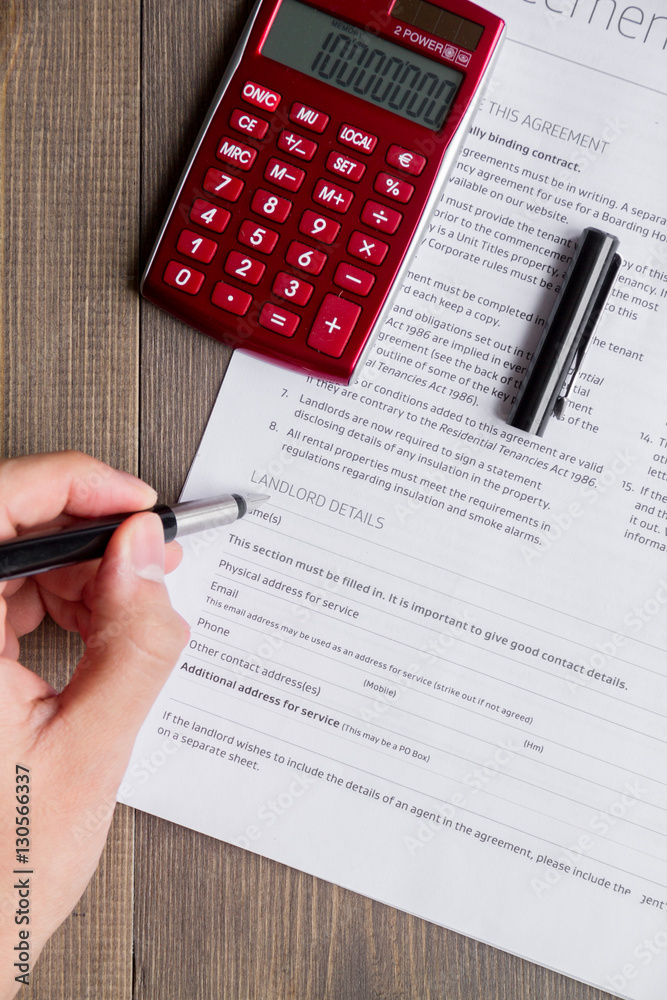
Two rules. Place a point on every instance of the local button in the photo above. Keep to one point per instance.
(336, 319)
(355, 137)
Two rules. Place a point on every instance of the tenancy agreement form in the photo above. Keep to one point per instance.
(432, 667)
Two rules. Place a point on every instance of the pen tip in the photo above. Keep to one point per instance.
(255, 499)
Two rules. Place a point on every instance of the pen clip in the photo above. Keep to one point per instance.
(587, 335)
(568, 333)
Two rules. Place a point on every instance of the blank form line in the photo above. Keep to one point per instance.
(458, 637)
(429, 795)
(481, 673)
(453, 704)
(470, 579)
(397, 736)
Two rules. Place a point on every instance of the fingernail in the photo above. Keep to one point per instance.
(136, 482)
(148, 548)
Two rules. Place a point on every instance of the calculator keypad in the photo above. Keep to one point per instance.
(271, 278)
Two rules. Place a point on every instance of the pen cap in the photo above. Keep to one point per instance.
(568, 332)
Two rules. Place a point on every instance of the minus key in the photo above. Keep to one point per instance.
(353, 279)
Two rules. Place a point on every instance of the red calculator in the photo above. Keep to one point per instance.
(324, 153)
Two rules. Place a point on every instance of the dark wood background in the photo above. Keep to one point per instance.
(100, 101)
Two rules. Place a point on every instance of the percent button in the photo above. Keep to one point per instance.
(394, 187)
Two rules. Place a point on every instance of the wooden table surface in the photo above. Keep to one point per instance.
(100, 102)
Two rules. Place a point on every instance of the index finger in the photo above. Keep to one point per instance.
(37, 488)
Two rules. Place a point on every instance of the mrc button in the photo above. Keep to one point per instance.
(355, 137)
(260, 97)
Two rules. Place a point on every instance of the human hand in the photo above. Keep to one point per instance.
(68, 751)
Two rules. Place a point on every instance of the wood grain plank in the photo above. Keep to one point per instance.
(214, 922)
(69, 229)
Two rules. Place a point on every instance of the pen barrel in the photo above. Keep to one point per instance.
(198, 515)
(81, 542)
(31, 554)
(568, 330)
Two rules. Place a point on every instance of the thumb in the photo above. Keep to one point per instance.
(135, 637)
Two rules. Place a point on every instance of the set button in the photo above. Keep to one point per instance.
(342, 165)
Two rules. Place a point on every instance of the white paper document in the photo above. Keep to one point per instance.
(432, 667)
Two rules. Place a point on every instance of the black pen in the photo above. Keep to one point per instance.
(568, 333)
(42, 550)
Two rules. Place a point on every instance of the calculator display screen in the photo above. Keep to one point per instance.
(359, 63)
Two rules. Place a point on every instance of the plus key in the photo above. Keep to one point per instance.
(333, 325)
